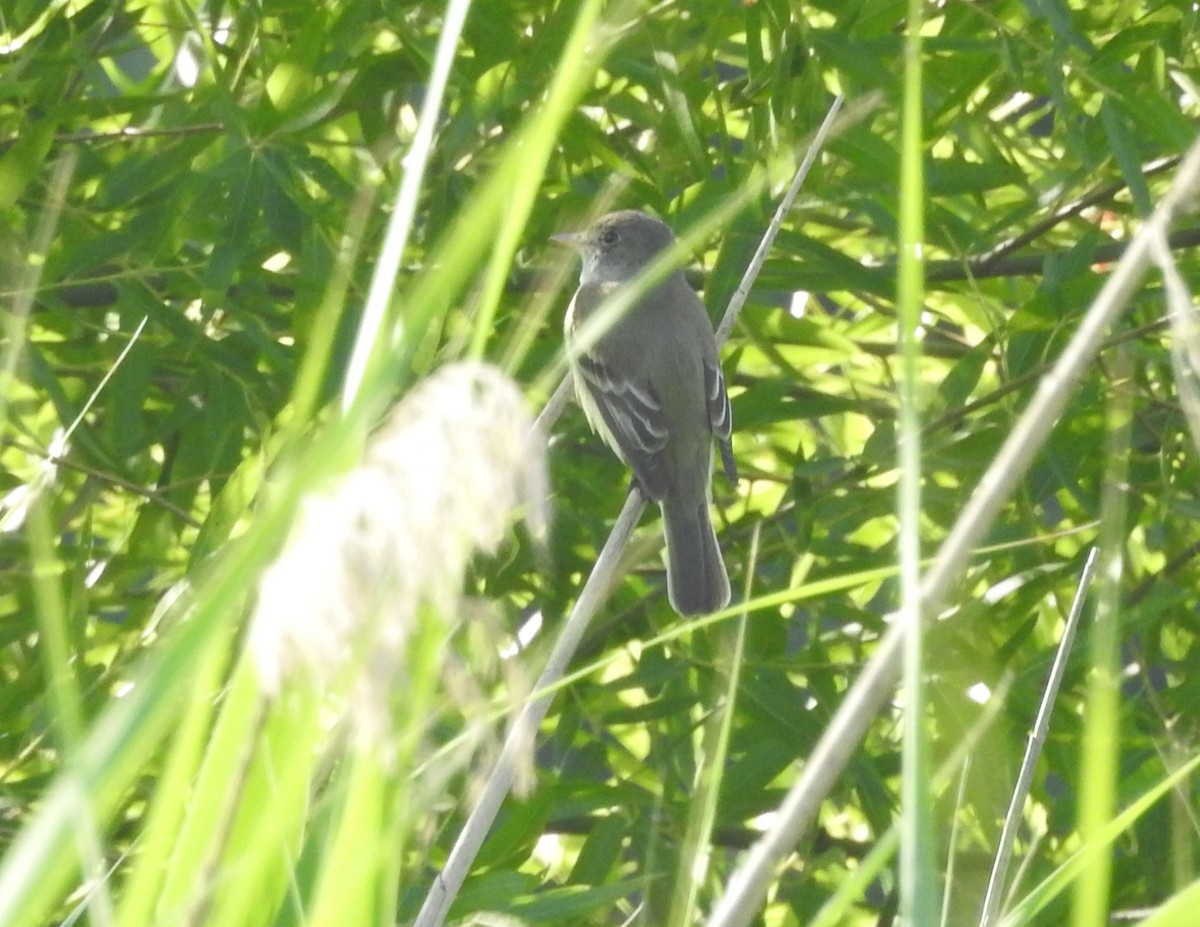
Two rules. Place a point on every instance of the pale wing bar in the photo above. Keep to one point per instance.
(720, 417)
(633, 414)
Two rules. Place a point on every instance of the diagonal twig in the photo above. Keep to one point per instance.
(1037, 739)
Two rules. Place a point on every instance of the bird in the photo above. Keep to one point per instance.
(652, 387)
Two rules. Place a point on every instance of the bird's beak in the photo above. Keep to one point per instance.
(570, 239)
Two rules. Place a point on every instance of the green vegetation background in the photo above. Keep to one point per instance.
(213, 228)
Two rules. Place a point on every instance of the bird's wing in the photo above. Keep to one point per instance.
(720, 416)
(633, 418)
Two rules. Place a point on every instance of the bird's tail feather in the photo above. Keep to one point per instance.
(696, 579)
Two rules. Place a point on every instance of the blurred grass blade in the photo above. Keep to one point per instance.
(374, 331)
(524, 166)
(1177, 911)
(485, 226)
(173, 793)
(918, 835)
(1067, 875)
(1101, 729)
(348, 888)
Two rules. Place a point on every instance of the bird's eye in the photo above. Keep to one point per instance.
(609, 237)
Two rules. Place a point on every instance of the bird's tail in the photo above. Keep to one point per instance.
(696, 579)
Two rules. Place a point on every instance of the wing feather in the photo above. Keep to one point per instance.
(720, 416)
(633, 419)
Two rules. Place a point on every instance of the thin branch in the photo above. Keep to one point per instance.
(951, 417)
(125, 135)
(99, 293)
(1037, 739)
(516, 745)
(1154, 580)
(1027, 265)
(150, 495)
(760, 256)
(554, 406)
(1069, 211)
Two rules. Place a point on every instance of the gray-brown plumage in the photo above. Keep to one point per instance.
(652, 388)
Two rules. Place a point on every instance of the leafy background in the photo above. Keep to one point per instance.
(193, 200)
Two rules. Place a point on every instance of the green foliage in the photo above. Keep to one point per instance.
(192, 206)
